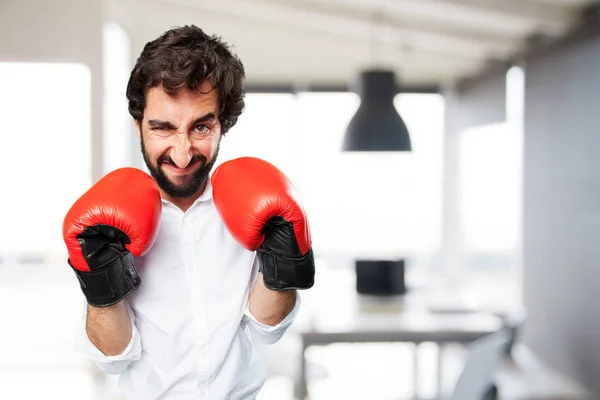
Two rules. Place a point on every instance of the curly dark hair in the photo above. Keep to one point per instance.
(185, 57)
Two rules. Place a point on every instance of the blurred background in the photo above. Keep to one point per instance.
(462, 264)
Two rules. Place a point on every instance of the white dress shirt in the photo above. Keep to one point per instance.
(190, 316)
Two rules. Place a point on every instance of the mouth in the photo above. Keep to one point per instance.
(175, 170)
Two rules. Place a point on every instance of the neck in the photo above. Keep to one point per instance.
(183, 203)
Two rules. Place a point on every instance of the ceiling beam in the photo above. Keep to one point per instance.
(386, 12)
(513, 18)
(492, 18)
(360, 29)
(550, 17)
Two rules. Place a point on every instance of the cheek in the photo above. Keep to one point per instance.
(207, 147)
(156, 147)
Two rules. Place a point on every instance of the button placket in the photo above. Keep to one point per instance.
(194, 287)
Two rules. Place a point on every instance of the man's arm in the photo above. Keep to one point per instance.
(103, 337)
(270, 307)
(109, 328)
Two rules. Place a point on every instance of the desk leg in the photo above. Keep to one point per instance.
(440, 362)
(416, 371)
(301, 386)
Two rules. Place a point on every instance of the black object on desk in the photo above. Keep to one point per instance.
(380, 277)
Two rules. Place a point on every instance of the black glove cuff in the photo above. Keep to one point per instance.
(111, 283)
(286, 273)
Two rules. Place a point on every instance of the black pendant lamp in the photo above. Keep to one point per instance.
(377, 126)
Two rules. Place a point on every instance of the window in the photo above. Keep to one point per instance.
(490, 205)
(490, 171)
(490, 183)
(361, 205)
(45, 163)
(264, 130)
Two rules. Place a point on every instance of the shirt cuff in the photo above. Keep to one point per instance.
(270, 334)
(110, 364)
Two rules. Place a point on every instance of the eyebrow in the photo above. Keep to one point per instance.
(157, 123)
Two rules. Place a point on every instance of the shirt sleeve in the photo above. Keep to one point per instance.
(110, 364)
(266, 333)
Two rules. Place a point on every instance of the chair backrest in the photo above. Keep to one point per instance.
(514, 322)
(484, 358)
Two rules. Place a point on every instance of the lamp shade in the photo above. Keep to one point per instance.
(376, 126)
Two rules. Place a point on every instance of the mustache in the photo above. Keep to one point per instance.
(166, 159)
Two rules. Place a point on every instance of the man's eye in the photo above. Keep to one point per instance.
(201, 128)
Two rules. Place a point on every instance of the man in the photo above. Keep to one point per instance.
(177, 269)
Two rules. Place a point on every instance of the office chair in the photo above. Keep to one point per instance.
(475, 382)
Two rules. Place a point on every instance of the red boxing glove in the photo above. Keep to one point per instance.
(113, 221)
(259, 206)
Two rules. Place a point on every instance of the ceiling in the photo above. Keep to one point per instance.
(327, 42)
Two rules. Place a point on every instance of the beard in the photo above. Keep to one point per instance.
(188, 186)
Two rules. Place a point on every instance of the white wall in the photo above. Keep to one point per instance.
(562, 209)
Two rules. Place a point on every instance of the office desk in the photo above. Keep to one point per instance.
(339, 315)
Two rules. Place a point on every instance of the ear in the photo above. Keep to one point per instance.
(138, 129)
(221, 133)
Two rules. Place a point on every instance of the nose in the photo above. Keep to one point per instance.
(181, 151)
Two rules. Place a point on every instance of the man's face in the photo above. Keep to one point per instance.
(180, 138)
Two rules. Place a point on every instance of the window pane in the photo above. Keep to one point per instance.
(371, 204)
(382, 204)
(264, 130)
(490, 192)
(322, 119)
(45, 111)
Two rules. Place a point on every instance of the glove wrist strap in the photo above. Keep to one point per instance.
(109, 284)
(286, 273)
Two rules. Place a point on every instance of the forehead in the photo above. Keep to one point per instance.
(185, 104)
